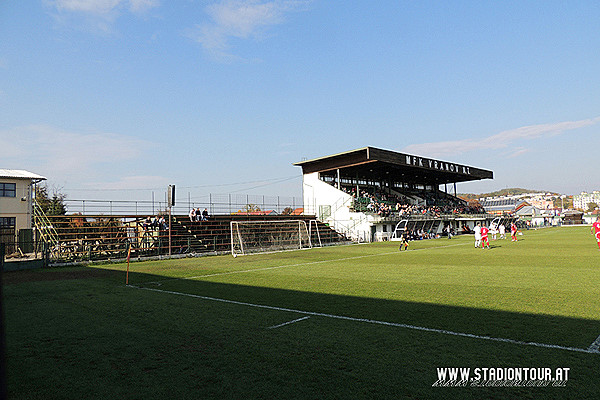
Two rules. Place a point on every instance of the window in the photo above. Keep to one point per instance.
(324, 212)
(8, 190)
(7, 222)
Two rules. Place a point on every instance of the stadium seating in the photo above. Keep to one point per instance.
(396, 203)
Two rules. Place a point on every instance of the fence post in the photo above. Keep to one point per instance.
(3, 390)
(46, 254)
(169, 230)
(2, 257)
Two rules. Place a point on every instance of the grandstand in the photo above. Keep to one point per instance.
(367, 193)
(360, 195)
(75, 238)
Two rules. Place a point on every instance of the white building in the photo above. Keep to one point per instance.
(582, 200)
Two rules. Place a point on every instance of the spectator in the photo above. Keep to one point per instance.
(162, 223)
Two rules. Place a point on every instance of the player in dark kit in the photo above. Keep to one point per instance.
(404, 241)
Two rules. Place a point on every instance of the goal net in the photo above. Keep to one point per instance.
(248, 237)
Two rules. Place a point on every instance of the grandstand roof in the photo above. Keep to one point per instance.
(505, 205)
(374, 163)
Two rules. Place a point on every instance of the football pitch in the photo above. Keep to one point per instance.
(347, 322)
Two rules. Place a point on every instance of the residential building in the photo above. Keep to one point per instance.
(16, 203)
(582, 200)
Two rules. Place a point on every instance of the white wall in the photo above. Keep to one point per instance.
(317, 193)
(16, 206)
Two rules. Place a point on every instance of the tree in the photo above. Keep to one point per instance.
(51, 205)
(474, 203)
(249, 208)
(563, 203)
(591, 206)
(287, 211)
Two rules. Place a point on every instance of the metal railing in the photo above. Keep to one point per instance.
(20, 248)
(110, 237)
(214, 203)
(90, 238)
(46, 231)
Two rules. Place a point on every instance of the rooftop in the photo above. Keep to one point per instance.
(371, 162)
(20, 174)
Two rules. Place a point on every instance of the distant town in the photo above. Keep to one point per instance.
(532, 203)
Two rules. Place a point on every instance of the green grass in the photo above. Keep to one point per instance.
(81, 333)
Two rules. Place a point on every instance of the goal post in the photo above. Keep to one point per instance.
(250, 237)
(314, 234)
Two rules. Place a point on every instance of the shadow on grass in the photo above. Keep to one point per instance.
(171, 340)
(523, 327)
(539, 328)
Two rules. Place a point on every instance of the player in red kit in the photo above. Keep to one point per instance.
(484, 237)
(596, 230)
(513, 232)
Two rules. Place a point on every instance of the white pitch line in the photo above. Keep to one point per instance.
(589, 350)
(298, 265)
(288, 323)
(595, 347)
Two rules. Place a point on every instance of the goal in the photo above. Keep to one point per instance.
(399, 229)
(249, 237)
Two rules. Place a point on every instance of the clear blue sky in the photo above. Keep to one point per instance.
(223, 96)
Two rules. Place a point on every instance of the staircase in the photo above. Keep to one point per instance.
(44, 227)
(189, 237)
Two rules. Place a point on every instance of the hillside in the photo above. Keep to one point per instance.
(502, 192)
